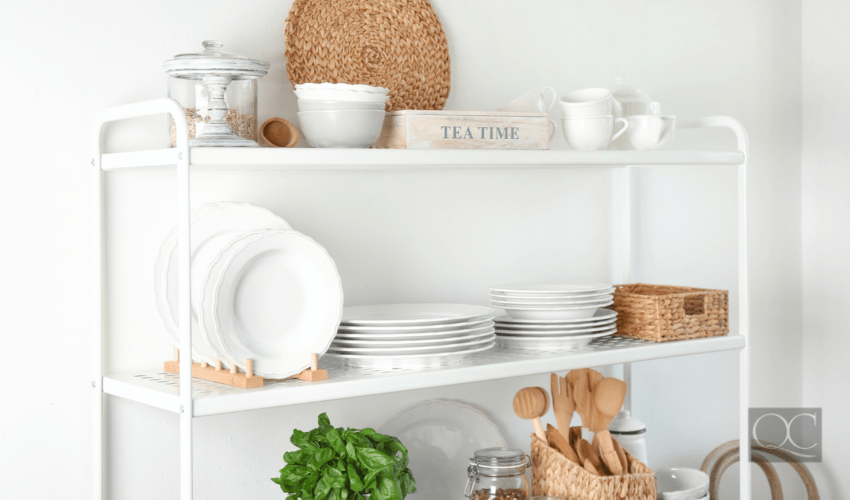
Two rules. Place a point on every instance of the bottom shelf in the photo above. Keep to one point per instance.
(161, 389)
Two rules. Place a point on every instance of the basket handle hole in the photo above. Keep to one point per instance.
(695, 305)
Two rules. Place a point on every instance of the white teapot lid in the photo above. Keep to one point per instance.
(214, 61)
(625, 424)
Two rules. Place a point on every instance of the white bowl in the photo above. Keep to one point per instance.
(315, 105)
(340, 95)
(680, 483)
(342, 128)
(343, 86)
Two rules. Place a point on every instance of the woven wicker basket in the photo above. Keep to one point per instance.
(661, 313)
(555, 475)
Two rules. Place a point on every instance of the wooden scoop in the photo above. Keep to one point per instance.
(608, 397)
(279, 133)
(531, 403)
(560, 443)
(562, 403)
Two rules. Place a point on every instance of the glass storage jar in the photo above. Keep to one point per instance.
(218, 91)
(497, 474)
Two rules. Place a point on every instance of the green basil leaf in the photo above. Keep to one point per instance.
(335, 440)
(407, 483)
(277, 480)
(324, 421)
(355, 481)
(301, 439)
(387, 489)
(293, 474)
(296, 457)
(320, 458)
(373, 459)
(350, 453)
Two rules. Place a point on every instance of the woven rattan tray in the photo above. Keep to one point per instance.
(395, 44)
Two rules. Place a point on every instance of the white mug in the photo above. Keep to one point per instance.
(650, 132)
(585, 102)
(533, 101)
(589, 133)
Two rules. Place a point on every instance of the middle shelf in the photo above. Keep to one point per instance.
(161, 389)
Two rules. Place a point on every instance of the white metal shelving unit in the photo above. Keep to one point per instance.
(190, 399)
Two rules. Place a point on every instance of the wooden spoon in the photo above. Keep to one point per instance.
(586, 455)
(584, 401)
(593, 378)
(531, 403)
(608, 398)
(621, 454)
(557, 440)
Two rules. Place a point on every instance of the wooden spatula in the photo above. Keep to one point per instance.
(562, 404)
(583, 401)
(621, 454)
(557, 440)
(603, 445)
(608, 397)
(593, 379)
(531, 403)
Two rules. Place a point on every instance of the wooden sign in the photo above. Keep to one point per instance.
(419, 129)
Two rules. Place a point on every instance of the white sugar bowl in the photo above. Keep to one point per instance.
(631, 433)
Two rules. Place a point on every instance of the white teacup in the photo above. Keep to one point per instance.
(589, 133)
(533, 101)
(585, 102)
(650, 132)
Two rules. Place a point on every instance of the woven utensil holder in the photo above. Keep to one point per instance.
(554, 474)
(662, 313)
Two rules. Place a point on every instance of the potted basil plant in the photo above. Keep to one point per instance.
(333, 463)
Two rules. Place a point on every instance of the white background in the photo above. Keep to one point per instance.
(778, 66)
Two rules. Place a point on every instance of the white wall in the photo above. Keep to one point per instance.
(439, 236)
(826, 215)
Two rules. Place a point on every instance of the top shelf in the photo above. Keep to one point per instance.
(400, 159)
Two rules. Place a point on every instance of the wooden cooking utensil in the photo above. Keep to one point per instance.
(562, 404)
(586, 454)
(593, 378)
(588, 466)
(621, 454)
(584, 400)
(557, 440)
(279, 133)
(608, 397)
(531, 403)
(604, 447)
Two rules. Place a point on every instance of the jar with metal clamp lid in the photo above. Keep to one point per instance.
(497, 474)
(218, 91)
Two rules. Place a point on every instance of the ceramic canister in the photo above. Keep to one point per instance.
(631, 433)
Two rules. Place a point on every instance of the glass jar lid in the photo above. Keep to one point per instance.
(214, 61)
(496, 457)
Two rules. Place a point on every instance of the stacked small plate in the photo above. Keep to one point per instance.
(553, 316)
(389, 336)
(339, 115)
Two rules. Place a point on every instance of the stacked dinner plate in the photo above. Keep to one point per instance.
(553, 315)
(388, 336)
(260, 291)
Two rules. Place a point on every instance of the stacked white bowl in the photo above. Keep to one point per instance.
(680, 483)
(339, 115)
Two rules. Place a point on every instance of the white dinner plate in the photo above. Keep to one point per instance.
(369, 344)
(541, 332)
(599, 316)
(212, 225)
(408, 361)
(550, 296)
(441, 436)
(548, 303)
(390, 336)
(554, 313)
(396, 329)
(277, 302)
(546, 288)
(392, 351)
(413, 314)
(547, 343)
(205, 311)
(556, 326)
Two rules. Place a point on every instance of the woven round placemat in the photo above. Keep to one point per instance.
(395, 44)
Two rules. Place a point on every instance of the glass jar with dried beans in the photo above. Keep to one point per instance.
(218, 91)
(497, 474)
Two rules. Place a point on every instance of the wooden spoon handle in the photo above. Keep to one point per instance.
(538, 429)
(609, 454)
